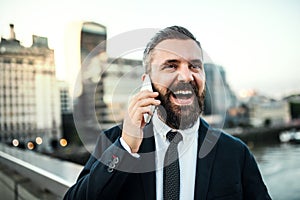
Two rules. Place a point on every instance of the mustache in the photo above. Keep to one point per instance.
(192, 86)
(185, 86)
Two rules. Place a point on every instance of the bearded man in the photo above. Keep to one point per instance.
(164, 159)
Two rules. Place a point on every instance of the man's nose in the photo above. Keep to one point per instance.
(185, 74)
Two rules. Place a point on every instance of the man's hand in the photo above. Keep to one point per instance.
(134, 122)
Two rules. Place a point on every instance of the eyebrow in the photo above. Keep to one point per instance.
(172, 61)
(197, 61)
(175, 61)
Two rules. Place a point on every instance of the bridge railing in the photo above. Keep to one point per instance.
(50, 174)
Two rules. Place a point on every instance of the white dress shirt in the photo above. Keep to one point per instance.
(187, 151)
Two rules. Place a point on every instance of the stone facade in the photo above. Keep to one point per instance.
(29, 97)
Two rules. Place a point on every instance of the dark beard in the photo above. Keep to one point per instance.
(180, 117)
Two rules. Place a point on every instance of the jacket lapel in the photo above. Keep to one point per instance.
(148, 175)
(207, 140)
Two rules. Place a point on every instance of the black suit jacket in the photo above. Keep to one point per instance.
(225, 169)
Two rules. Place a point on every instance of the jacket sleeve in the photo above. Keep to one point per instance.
(104, 173)
(253, 185)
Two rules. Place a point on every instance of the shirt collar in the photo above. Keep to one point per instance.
(162, 129)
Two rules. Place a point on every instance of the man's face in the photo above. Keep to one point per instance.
(177, 74)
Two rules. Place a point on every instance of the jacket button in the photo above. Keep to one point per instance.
(110, 170)
(115, 160)
(112, 165)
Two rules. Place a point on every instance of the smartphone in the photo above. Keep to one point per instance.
(147, 85)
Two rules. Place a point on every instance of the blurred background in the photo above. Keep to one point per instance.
(62, 82)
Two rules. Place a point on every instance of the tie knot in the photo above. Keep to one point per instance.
(174, 137)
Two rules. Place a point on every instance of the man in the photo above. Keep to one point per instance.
(177, 155)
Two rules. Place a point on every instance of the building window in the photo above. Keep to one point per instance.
(7, 60)
(19, 61)
(30, 62)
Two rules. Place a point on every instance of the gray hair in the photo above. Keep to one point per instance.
(172, 32)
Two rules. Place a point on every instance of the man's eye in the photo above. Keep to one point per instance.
(196, 66)
(171, 66)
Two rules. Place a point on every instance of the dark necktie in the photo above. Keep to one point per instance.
(171, 179)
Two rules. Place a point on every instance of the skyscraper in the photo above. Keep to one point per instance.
(219, 96)
(99, 85)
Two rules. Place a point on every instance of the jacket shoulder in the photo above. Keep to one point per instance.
(106, 139)
(221, 138)
(228, 138)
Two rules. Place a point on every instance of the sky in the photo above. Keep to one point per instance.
(257, 42)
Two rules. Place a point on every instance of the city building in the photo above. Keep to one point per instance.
(219, 96)
(264, 111)
(69, 132)
(294, 103)
(120, 80)
(65, 99)
(237, 116)
(85, 56)
(29, 97)
(85, 51)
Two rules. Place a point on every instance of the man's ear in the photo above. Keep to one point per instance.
(143, 76)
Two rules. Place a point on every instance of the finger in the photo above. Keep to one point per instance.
(148, 102)
(145, 103)
(138, 115)
(145, 94)
(140, 96)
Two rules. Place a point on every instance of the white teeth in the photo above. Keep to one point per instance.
(183, 92)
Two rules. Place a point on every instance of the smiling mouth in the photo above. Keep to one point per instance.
(182, 97)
